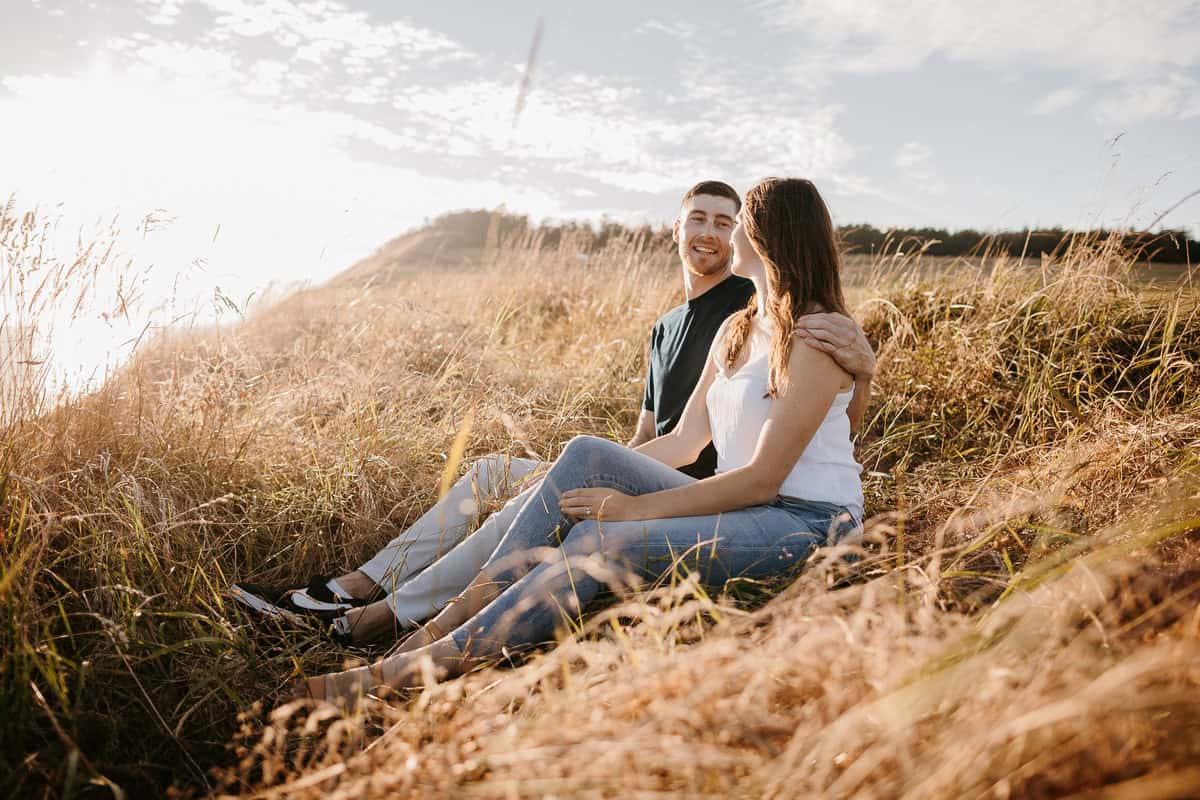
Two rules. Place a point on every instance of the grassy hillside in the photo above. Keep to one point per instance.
(1025, 623)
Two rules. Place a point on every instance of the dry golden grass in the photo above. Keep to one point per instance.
(1024, 625)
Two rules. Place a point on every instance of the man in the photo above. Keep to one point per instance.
(681, 338)
(415, 586)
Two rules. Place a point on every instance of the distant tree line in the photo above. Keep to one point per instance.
(1165, 247)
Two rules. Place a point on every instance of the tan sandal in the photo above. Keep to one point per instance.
(343, 689)
(346, 689)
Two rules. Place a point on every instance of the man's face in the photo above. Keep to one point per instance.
(702, 233)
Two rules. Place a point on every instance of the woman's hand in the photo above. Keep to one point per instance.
(603, 505)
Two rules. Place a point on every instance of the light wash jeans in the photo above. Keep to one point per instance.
(551, 568)
(431, 562)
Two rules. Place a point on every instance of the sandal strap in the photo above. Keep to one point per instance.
(350, 687)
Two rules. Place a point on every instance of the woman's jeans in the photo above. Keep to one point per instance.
(550, 567)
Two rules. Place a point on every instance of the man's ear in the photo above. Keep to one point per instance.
(675, 232)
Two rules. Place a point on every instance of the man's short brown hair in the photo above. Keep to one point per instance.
(716, 188)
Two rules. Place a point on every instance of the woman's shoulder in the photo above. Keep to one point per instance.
(813, 362)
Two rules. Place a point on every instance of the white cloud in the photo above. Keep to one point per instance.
(1057, 100)
(1110, 39)
(316, 44)
(266, 78)
(582, 126)
(804, 142)
(188, 62)
(1175, 96)
(1129, 54)
(915, 161)
(572, 123)
(913, 155)
(316, 30)
(162, 12)
(683, 31)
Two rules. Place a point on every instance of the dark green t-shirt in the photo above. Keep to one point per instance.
(679, 345)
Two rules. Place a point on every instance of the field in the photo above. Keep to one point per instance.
(1024, 624)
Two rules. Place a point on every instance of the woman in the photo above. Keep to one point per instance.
(786, 479)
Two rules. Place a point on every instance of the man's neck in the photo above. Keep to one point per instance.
(695, 285)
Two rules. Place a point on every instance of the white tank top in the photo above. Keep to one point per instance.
(737, 411)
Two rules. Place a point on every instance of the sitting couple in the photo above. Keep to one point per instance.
(742, 463)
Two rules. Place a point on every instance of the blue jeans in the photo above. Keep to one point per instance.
(550, 566)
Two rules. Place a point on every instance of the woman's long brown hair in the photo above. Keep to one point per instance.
(789, 227)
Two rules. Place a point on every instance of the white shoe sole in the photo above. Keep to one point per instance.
(262, 606)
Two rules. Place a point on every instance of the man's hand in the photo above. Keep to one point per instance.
(603, 505)
(840, 337)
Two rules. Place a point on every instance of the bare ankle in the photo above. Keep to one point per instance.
(371, 623)
(358, 585)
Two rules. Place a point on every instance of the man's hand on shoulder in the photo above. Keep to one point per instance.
(840, 337)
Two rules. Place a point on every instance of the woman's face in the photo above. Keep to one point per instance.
(745, 261)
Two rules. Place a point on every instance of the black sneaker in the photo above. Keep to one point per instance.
(316, 601)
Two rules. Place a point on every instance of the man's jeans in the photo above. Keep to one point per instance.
(430, 563)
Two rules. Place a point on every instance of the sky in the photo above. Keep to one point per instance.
(279, 141)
